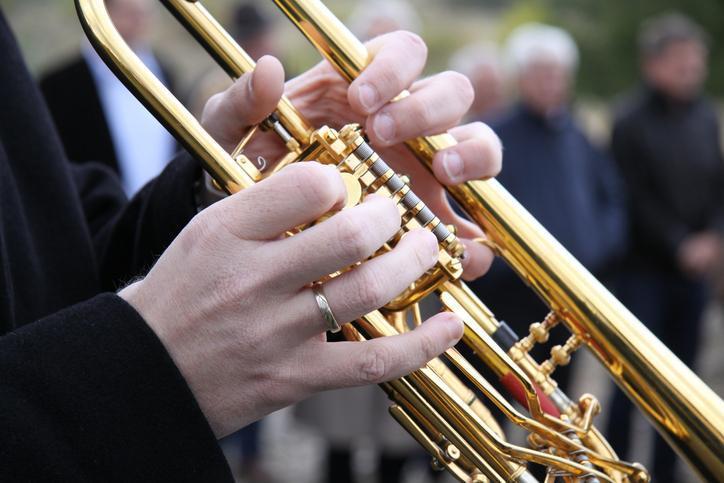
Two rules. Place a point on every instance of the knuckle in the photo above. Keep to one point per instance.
(462, 86)
(373, 365)
(352, 240)
(196, 232)
(490, 161)
(370, 289)
(485, 149)
(392, 79)
(312, 183)
(422, 112)
(427, 346)
(202, 231)
(414, 41)
(390, 218)
(421, 260)
(217, 220)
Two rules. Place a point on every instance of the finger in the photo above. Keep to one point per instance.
(347, 364)
(248, 101)
(397, 60)
(478, 259)
(478, 155)
(433, 106)
(298, 194)
(346, 238)
(372, 284)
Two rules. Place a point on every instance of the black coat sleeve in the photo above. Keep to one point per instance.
(90, 394)
(129, 236)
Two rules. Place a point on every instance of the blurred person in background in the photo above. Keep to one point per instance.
(666, 140)
(376, 17)
(481, 63)
(550, 166)
(98, 118)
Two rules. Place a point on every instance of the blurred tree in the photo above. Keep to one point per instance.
(607, 31)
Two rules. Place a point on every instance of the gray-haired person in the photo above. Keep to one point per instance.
(666, 141)
(481, 62)
(552, 168)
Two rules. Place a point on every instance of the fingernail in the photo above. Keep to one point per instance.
(452, 163)
(368, 97)
(384, 127)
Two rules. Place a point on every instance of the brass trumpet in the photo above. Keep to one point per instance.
(438, 404)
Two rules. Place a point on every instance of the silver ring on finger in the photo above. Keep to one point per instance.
(330, 320)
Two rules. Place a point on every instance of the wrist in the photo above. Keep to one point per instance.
(134, 295)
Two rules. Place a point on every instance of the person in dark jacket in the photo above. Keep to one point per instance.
(666, 141)
(567, 184)
(138, 385)
(97, 118)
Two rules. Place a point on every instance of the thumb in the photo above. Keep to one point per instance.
(251, 98)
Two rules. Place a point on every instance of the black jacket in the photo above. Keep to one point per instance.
(87, 391)
(75, 105)
(670, 157)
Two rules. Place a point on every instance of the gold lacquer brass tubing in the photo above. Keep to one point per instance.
(684, 410)
(230, 57)
(232, 177)
(156, 97)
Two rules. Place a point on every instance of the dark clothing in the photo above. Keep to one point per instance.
(571, 188)
(87, 391)
(73, 100)
(74, 103)
(671, 161)
(670, 156)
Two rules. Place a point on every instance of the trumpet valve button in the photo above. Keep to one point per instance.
(560, 355)
(539, 332)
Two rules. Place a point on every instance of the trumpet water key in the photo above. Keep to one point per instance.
(444, 405)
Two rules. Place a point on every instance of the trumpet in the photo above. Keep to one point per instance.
(442, 404)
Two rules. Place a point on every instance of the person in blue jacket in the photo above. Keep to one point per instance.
(551, 167)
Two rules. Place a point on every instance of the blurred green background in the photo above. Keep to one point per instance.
(605, 30)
